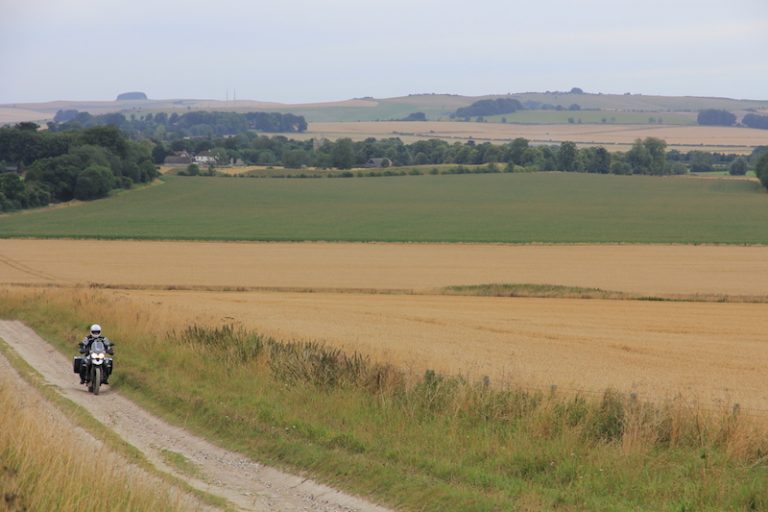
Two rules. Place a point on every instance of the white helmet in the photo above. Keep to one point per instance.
(95, 330)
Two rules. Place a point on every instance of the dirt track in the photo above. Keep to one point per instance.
(247, 484)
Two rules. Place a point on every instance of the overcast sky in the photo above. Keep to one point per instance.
(298, 51)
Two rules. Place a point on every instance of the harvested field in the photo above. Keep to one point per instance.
(715, 352)
(642, 269)
(690, 137)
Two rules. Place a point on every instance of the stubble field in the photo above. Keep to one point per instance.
(384, 300)
(713, 138)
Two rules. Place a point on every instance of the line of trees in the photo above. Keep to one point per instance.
(41, 167)
(54, 166)
(163, 126)
(646, 156)
(714, 117)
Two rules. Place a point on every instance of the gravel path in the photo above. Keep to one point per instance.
(247, 484)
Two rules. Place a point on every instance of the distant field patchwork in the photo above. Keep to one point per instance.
(612, 135)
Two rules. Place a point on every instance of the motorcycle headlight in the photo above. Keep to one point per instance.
(99, 355)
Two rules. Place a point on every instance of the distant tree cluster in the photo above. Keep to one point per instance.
(484, 108)
(84, 164)
(131, 96)
(715, 117)
(755, 121)
(162, 126)
(415, 116)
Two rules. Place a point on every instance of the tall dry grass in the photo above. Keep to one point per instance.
(46, 466)
(366, 425)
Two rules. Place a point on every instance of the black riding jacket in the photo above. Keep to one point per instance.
(85, 345)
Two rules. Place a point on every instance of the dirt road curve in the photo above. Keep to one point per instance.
(247, 484)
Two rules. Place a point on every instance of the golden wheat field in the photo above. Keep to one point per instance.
(644, 269)
(382, 299)
(730, 138)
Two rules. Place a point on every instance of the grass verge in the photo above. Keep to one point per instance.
(427, 442)
(115, 449)
(555, 291)
(534, 290)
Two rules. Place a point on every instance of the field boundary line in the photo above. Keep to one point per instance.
(431, 292)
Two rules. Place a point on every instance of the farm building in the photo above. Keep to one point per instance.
(376, 163)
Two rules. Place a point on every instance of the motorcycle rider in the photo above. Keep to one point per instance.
(85, 347)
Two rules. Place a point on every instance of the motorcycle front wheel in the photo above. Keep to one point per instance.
(96, 379)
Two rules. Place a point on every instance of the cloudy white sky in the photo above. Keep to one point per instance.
(298, 51)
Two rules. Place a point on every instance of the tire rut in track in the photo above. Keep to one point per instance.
(245, 483)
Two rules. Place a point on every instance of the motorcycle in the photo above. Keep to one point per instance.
(98, 366)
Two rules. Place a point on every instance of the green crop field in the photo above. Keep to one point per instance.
(515, 208)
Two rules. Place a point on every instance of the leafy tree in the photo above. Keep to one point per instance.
(648, 156)
(19, 146)
(738, 167)
(147, 171)
(517, 151)
(762, 170)
(12, 192)
(37, 195)
(266, 157)
(699, 161)
(567, 156)
(159, 153)
(656, 149)
(757, 154)
(343, 154)
(597, 160)
(27, 126)
(638, 158)
(94, 182)
(108, 137)
(57, 174)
